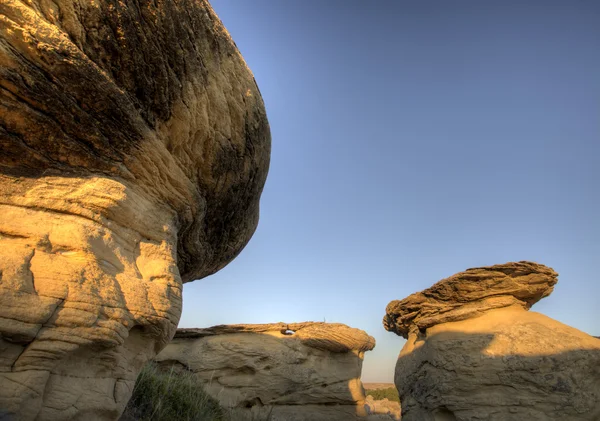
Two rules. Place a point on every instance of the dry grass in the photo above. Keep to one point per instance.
(370, 386)
(170, 395)
(390, 393)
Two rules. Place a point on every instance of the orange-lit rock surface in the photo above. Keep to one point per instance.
(300, 371)
(133, 152)
(474, 352)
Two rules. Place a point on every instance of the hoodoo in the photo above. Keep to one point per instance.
(133, 153)
(475, 352)
(300, 371)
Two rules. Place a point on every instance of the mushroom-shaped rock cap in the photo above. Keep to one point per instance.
(334, 337)
(467, 294)
(154, 95)
(134, 146)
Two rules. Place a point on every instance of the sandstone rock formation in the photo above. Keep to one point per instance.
(134, 146)
(474, 352)
(469, 294)
(301, 371)
(382, 406)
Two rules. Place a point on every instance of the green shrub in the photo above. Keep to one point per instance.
(391, 393)
(170, 395)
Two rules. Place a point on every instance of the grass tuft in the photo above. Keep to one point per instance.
(378, 394)
(170, 395)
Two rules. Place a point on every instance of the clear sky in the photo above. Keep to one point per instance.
(413, 140)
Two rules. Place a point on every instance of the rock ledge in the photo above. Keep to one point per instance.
(334, 337)
(470, 293)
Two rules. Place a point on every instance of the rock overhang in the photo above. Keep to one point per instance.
(171, 112)
(470, 293)
(133, 153)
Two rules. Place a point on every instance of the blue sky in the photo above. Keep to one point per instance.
(413, 140)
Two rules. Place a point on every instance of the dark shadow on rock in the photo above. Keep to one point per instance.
(462, 376)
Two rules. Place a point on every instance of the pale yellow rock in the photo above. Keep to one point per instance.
(493, 362)
(133, 153)
(300, 371)
(382, 407)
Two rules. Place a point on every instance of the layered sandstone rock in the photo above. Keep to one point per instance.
(469, 294)
(300, 371)
(474, 352)
(133, 150)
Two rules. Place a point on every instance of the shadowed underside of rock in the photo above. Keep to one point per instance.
(155, 95)
(134, 147)
(297, 371)
(505, 365)
(475, 352)
(470, 293)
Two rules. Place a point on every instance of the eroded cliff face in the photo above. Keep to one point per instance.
(475, 352)
(301, 371)
(134, 146)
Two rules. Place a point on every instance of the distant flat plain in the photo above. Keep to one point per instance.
(375, 386)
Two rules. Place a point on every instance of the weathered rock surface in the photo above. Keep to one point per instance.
(383, 406)
(300, 371)
(491, 361)
(469, 294)
(134, 146)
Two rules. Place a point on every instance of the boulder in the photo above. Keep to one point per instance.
(474, 352)
(383, 406)
(300, 371)
(134, 147)
(469, 294)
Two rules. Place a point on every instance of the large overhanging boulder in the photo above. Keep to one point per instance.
(301, 371)
(469, 294)
(475, 352)
(134, 147)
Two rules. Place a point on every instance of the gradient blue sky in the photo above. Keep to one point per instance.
(413, 140)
